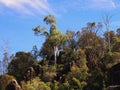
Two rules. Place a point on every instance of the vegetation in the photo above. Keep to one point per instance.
(5, 80)
(73, 61)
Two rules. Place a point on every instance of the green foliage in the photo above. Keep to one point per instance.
(79, 85)
(72, 61)
(77, 77)
(19, 64)
(116, 45)
(5, 80)
(36, 84)
(49, 19)
(40, 30)
(95, 80)
(49, 72)
(111, 59)
(54, 85)
(56, 38)
(65, 86)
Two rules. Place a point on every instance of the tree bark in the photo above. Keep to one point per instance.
(55, 54)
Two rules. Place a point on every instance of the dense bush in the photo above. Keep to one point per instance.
(36, 84)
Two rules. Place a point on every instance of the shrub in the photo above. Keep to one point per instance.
(36, 84)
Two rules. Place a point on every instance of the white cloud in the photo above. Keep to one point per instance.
(36, 7)
(30, 7)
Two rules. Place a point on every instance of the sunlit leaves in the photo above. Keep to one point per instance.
(36, 84)
(40, 30)
(56, 38)
(50, 19)
(111, 59)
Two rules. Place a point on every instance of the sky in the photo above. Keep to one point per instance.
(18, 17)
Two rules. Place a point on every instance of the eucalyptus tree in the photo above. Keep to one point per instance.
(73, 38)
(92, 43)
(116, 44)
(110, 39)
(54, 38)
(107, 22)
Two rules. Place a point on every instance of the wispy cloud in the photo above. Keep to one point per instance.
(36, 7)
(93, 4)
(101, 4)
(79, 5)
(29, 7)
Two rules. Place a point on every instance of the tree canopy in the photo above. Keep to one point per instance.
(75, 60)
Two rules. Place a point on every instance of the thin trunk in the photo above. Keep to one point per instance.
(55, 54)
(107, 19)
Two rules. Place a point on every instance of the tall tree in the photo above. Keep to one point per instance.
(107, 22)
(110, 39)
(54, 37)
(91, 42)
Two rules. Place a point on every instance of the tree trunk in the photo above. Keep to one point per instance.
(55, 54)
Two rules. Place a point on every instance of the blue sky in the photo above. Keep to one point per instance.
(18, 17)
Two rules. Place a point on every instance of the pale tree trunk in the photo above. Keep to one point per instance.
(55, 54)
(107, 19)
(5, 62)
